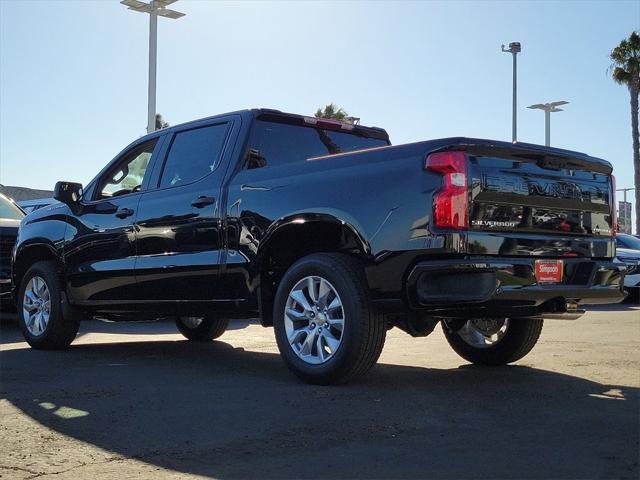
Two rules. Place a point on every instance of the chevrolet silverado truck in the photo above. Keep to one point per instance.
(328, 233)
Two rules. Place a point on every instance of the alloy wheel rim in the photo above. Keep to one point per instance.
(314, 320)
(36, 306)
(192, 322)
(484, 333)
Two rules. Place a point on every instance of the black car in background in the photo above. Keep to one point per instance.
(10, 217)
(628, 252)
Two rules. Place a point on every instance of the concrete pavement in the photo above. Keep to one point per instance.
(137, 401)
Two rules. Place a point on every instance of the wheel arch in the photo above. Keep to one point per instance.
(27, 255)
(297, 236)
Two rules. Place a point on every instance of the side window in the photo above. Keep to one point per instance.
(193, 154)
(276, 144)
(128, 174)
(279, 143)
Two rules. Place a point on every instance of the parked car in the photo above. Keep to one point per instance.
(327, 233)
(10, 216)
(35, 204)
(628, 252)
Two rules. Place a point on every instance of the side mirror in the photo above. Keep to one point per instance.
(68, 192)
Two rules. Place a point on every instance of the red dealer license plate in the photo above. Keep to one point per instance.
(549, 271)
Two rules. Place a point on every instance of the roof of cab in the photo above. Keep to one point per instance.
(257, 112)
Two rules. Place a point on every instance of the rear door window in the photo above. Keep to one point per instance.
(193, 154)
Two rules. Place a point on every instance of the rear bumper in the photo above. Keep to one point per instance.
(487, 286)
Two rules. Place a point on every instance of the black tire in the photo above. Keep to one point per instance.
(63, 323)
(211, 327)
(364, 328)
(520, 337)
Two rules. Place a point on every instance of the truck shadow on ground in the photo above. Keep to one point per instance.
(215, 410)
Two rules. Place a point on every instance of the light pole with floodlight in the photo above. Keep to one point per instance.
(548, 109)
(153, 8)
(514, 49)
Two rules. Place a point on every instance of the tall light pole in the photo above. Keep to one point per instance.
(153, 8)
(514, 49)
(548, 108)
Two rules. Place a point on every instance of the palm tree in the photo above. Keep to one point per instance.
(333, 112)
(625, 70)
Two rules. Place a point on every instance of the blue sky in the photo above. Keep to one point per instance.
(73, 74)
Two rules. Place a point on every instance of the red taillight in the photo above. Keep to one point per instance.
(614, 208)
(451, 204)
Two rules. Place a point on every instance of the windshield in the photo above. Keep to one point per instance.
(9, 210)
(628, 241)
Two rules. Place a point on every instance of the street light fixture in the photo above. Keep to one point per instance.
(153, 8)
(514, 49)
(548, 108)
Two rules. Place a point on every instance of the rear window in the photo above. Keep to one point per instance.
(281, 143)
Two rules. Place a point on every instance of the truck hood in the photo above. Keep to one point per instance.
(53, 210)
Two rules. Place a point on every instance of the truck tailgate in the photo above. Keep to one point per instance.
(552, 196)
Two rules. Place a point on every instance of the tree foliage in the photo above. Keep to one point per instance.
(160, 122)
(333, 112)
(625, 58)
(625, 70)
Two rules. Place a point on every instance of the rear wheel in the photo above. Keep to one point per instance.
(325, 326)
(44, 322)
(492, 341)
(202, 329)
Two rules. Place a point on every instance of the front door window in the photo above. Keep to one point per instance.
(127, 176)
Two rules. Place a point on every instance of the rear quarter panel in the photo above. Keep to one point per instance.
(383, 195)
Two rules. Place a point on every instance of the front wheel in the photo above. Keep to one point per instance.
(492, 341)
(201, 329)
(44, 322)
(326, 329)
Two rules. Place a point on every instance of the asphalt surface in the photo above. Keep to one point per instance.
(137, 401)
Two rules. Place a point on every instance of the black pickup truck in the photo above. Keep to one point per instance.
(329, 234)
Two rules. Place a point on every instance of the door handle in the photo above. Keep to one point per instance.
(203, 201)
(124, 213)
